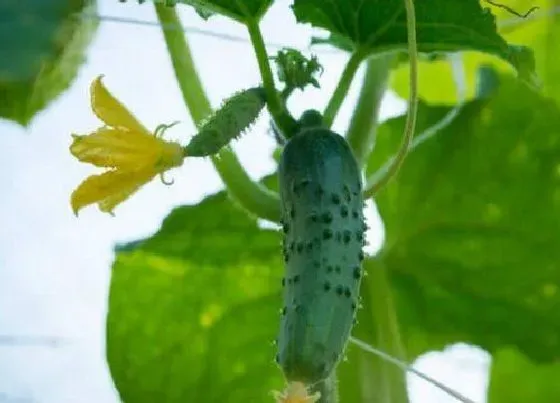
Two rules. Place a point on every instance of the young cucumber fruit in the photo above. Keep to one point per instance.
(323, 225)
(235, 116)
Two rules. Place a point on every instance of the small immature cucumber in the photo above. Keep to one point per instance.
(323, 224)
(228, 123)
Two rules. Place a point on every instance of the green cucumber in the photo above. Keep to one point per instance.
(235, 116)
(323, 225)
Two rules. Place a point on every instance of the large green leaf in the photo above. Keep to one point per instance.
(541, 33)
(225, 228)
(473, 225)
(533, 383)
(193, 311)
(42, 48)
(442, 26)
(239, 10)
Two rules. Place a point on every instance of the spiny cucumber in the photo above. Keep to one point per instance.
(228, 123)
(323, 225)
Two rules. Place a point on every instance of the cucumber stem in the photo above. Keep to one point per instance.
(328, 389)
(254, 197)
(276, 106)
(363, 124)
(342, 87)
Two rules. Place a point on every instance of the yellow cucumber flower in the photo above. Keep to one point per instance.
(133, 154)
(296, 392)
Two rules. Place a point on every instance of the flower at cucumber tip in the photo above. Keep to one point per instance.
(296, 392)
(132, 154)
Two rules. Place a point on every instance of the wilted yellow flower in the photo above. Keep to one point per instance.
(296, 392)
(133, 154)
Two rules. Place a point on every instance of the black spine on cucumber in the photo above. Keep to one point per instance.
(323, 224)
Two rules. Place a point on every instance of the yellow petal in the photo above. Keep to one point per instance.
(109, 147)
(296, 392)
(109, 189)
(110, 110)
(114, 148)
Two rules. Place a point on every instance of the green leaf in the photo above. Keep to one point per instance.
(242, 11)
(541, 33)
(295, 70)
(473, 223)
(532, 382)
(193, 310)
(336, 40)
(442, 26)
(46, 46)
(225, 228)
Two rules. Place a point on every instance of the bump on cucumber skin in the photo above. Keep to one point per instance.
(323, 225)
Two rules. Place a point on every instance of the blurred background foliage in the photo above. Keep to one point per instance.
(471, 225)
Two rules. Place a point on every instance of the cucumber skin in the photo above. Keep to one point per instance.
(229, 122)
(323, 224)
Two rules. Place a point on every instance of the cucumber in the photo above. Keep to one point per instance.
(323, 226)
(235, 116)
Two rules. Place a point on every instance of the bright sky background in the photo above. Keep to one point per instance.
(55, 268)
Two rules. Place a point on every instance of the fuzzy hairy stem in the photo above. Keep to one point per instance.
(254, 197)
(363, 124)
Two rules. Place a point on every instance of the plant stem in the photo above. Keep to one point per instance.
(328, 389)
(387, 333)
(342, 87)
(276, 106)
(384, 177)
(363, 124)
(252, 196)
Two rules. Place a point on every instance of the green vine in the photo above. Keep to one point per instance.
(381, 178)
